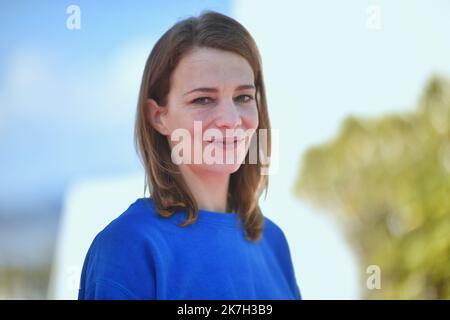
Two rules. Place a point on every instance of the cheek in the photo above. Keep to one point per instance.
(250, 118)
(186, 121)
(183, 120)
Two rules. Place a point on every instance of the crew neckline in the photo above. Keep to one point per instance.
(229, 219)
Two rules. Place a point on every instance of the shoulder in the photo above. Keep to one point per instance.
(134, 224)
(276, 239)
(122, 255)
(278, 243)
(139, 225)
(136, 236)
(274, 232)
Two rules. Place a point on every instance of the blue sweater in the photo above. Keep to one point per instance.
(141, 255)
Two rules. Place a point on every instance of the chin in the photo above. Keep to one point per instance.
(221, 168)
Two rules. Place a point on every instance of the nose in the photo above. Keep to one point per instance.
(228, 116)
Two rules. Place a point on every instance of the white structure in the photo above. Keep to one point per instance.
(88, 207)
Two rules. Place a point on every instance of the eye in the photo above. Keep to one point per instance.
(245, 98)
(202, 100)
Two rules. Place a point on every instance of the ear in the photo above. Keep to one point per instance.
(156, 116)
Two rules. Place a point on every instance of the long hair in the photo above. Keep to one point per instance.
(163, 178)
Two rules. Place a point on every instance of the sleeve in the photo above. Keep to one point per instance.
(290, 269)
(298, 294)
(118, 265)
(103, 289)
(282, 248)
(291, 275)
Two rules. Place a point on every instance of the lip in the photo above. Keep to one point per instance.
(230, 140)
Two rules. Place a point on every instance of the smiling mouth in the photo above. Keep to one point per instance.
(229, 141)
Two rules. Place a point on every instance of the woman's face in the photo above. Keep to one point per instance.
(213, 91)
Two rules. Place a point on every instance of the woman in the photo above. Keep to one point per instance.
(201, 234)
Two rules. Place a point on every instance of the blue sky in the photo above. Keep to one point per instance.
(68, 97)
(105, 24)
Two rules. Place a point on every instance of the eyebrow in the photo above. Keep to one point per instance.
(206, 89)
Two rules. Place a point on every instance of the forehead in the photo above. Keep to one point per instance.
(212, 68)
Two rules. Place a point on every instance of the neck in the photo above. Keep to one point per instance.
(210, 190)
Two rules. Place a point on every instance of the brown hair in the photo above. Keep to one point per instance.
(167, 186)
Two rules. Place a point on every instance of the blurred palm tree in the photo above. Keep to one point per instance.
(387, 180)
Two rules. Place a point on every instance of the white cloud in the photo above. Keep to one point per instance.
(55, 111)
(28, 81)
(40, 85)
